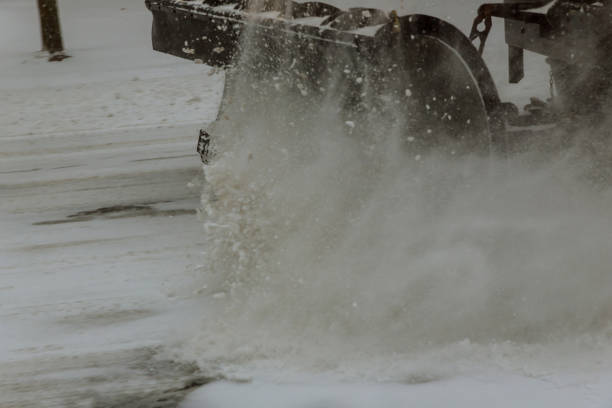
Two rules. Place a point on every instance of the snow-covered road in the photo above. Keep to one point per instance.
(92, 237)
(97, 215)
(95, 227)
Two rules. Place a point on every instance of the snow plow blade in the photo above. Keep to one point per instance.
(419, 62)
(210, 31)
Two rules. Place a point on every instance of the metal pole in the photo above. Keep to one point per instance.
(50, 29)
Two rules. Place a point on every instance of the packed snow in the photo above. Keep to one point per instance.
(311, 264)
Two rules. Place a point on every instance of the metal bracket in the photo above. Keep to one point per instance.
(516, 64)
(484, 16)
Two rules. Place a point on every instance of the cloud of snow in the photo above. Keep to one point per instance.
(335, 243)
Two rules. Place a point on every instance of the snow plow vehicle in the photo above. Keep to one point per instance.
(417, 71)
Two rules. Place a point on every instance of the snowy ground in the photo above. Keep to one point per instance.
(90, 237)
(96, 155)
(104, 299)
